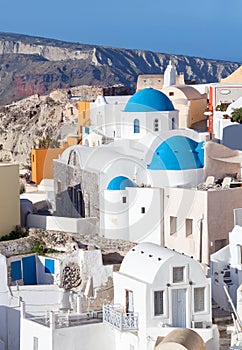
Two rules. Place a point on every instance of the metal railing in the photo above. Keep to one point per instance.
(117, 318)
(62, 320)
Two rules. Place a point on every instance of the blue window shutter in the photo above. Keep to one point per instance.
(49, 266)
(16, 272)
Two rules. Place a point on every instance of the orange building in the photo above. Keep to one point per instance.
(42, 163)
(83, 115)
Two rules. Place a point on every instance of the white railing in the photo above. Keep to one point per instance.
(61, 320)
(116, 317)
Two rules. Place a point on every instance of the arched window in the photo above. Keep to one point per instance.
(136, 126)
(73, 159)
(156, 125)
(173, 123)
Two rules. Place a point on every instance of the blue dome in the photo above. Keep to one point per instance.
(178, 153)
(120, 183)
(149, 100)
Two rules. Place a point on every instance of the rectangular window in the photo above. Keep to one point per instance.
(178, 274)
(189, 227)
(142, 210)
(16, 271)
(199, 304)
(171, 93)
(33, 158)
(49, 266)
(158, 302)
(124, 200)
(35, 343)
(173, 225)
(58, 187)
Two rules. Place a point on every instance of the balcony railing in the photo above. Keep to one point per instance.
(123, 321)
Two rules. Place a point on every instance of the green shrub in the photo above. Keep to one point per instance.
(38, 248)
(14, 235)
(236, 115)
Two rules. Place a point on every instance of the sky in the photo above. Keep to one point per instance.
(207, 28)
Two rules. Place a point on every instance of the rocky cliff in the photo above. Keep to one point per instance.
(24, 123)
(31, 65)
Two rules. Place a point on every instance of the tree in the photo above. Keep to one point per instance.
(236, 115)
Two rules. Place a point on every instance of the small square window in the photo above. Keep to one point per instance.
(124, 200)
(142, 210)
(178, 274)
(171, 93)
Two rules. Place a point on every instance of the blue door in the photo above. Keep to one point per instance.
(29, 270)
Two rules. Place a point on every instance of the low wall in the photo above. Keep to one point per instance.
(64, 224)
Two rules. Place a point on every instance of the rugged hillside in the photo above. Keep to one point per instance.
(31, 65)
(25, 122)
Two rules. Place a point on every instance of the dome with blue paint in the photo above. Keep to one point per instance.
(149, 100)
(178, 153)
(120, 183)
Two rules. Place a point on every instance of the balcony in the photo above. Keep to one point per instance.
(117, 318)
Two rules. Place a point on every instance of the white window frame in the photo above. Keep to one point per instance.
(206, 300)
(185, 274)
(165, 302)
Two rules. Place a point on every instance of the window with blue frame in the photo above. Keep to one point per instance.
(49, 266)
(136, 126)
(16, 271)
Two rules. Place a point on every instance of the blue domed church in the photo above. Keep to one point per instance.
(147, 111)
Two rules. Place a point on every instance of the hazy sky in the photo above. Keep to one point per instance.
(205, 28)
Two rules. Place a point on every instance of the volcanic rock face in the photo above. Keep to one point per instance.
(31, 65)
(25, 122)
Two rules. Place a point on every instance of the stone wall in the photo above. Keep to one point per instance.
(70, 176)
(18, 246)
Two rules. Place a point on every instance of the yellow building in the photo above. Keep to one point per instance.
(190, 103)
(83, 115)
(9, 194)
(42, 163)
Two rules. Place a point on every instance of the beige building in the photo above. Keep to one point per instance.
(190, 103)
(201, 226)
(197, 221)
(234, 78)
(9, 194)
(155, 81)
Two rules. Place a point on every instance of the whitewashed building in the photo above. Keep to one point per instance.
(59, 283)
(122, 183)
(105, 114)
(155, 291)
(226, 269)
